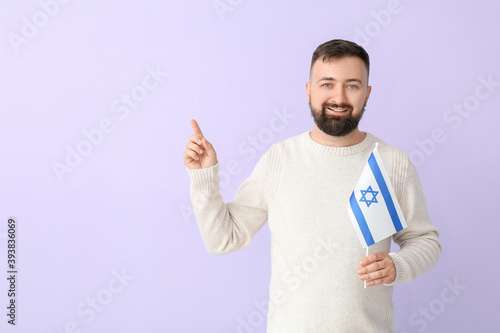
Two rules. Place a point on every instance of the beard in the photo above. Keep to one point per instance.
(336, 125)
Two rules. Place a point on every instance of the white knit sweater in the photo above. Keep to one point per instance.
(302, 189)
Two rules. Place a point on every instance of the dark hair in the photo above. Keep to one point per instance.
(339, 48)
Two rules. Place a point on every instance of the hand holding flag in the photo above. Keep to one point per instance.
(377, 268)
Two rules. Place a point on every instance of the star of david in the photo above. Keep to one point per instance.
(373, 193)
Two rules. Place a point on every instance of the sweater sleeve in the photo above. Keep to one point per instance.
(419, 243)
(229, 227)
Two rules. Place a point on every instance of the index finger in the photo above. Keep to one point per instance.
(371, 258)
(196, 127)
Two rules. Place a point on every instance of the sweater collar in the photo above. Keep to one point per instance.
(367, 142)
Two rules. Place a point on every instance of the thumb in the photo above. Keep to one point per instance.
(206, 145)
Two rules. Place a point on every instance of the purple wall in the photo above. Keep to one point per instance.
(95, 107)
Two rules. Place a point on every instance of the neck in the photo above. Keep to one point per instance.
(350, 139)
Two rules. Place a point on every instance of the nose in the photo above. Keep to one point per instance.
(338, 95)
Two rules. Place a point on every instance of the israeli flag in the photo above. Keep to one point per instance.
(373, 207)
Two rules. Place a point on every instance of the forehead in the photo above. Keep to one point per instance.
(340, 69)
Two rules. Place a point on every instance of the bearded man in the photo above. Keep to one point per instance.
(301, 186)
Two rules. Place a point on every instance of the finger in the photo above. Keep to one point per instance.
(387, 273)
(373, 267)
(196, 138)
(387, 279)
(196, 127)
(385, 262)
(372, 258)
(376, 282)
(207, 145)
(194, 147)
(190, 155)
(202, 143)
(380, 274)
(382, 280)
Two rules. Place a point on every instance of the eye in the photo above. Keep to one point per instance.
(327, 85)
(352, 86)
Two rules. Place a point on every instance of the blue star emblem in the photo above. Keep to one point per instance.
(373, 193)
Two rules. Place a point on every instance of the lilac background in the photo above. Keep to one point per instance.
(125, 207)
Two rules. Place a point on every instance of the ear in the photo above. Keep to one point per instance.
(368, 91)
(308, 92)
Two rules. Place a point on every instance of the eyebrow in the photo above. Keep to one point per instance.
(332, 79)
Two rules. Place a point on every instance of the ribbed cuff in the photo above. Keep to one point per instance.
(204, 180)
(402, 269)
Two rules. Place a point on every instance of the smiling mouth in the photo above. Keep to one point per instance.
(337, 109)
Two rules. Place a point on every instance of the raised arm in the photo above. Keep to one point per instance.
(227, 227)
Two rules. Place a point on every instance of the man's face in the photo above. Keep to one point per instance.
(338, 92)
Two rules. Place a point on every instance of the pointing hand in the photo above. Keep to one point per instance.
(199, 152)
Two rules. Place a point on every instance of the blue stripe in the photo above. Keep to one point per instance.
(361, 220)
(385, 192)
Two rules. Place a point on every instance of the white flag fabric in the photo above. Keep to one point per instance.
(373, 207)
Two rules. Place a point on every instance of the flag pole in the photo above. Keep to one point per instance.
(364, 282)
